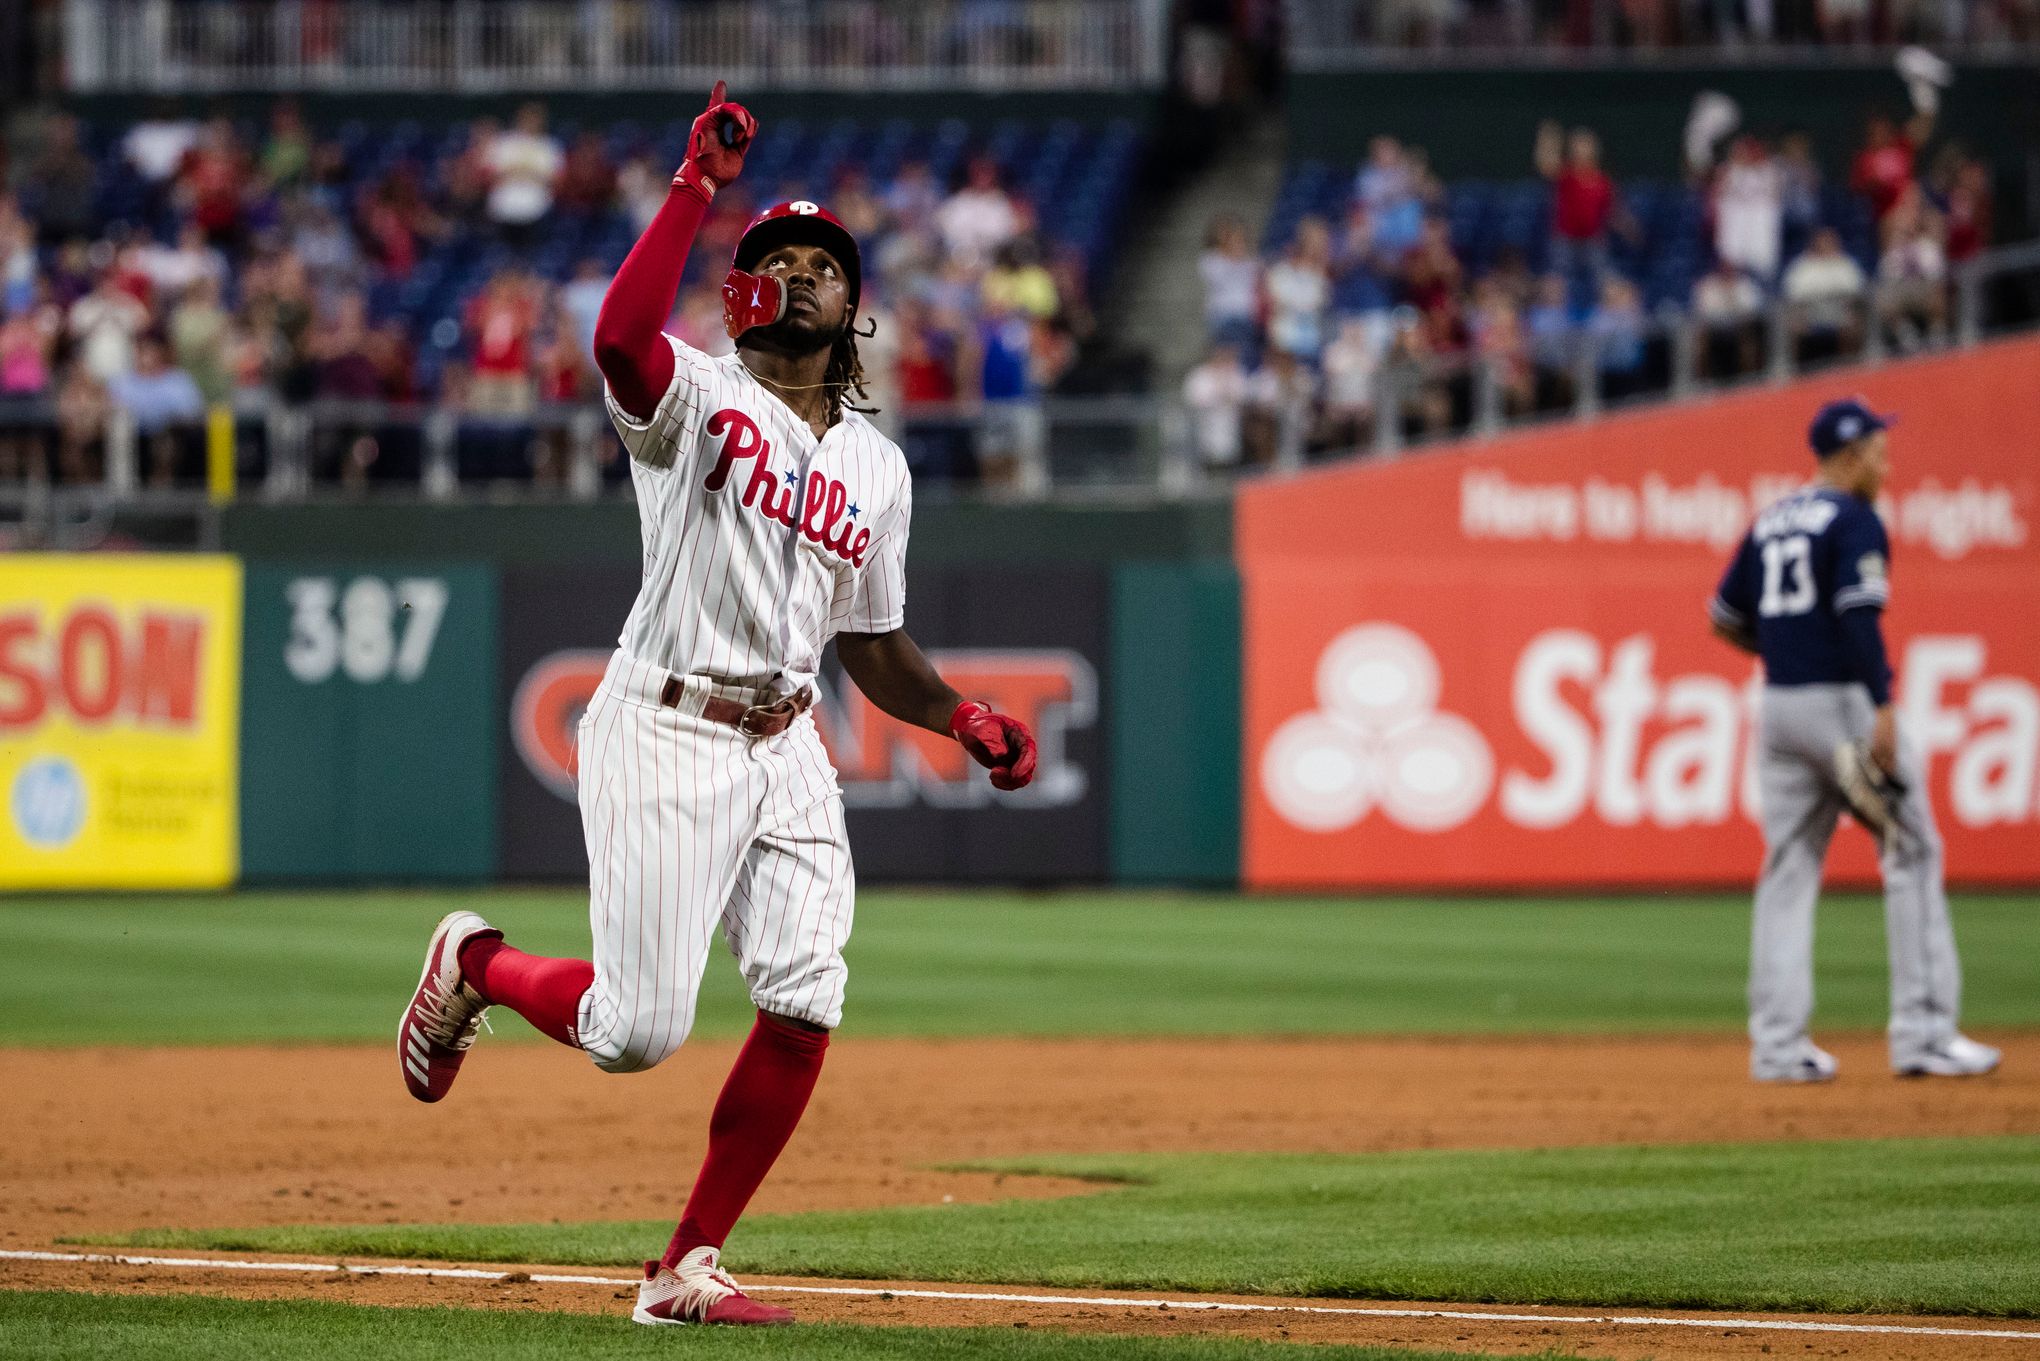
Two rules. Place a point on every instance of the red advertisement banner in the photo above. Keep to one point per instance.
(1493, 668)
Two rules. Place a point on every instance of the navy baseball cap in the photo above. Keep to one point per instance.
(1840, 424)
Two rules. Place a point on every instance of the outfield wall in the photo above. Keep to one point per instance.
(1486, 667)
(1493, 667)
(403, 708)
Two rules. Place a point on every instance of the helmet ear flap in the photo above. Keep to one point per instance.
(751, 300)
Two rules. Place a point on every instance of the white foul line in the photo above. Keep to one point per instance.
(1097, 1301)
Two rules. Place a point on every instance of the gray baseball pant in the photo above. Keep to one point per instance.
(1799, 728)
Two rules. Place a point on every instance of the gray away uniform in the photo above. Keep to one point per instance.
(1810, 582)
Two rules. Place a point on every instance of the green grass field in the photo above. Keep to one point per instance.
(49, 1326)
(1940, 1226)
(263, 967)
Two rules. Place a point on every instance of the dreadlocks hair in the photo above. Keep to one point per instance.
(845, 374)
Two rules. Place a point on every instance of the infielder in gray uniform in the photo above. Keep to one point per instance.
(1806, 592)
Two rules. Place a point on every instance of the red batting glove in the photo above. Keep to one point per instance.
(716, 146)
(1001, 744)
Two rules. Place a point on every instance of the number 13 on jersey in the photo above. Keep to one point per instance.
(1788, 577)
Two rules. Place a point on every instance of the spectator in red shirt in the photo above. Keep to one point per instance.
(564, 373)
(927, 371)
(213, 181)
(347, 448)
(1969, 210)
(1431, 272)
(396, 219)
(340, 348)
(1884, 167)
(466, 175)
(500, 322)
(390, 239)
(389, 346)
(1583, 199)
(587, 181)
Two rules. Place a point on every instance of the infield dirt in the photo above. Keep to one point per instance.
(106, 1140)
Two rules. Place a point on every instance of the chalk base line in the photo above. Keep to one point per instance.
(1088, 1301)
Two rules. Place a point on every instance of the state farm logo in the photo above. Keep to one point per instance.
(1377, 741)
(1599, 731)
(880, 763)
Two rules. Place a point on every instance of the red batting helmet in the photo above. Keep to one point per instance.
(807, 223)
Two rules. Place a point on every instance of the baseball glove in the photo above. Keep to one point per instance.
(1873, 793)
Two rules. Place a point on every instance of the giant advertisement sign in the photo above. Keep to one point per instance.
(919, 808)
(1493, 667)
(119, 710)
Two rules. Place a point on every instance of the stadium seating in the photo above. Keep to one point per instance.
(1487, 216)
(1077, 178)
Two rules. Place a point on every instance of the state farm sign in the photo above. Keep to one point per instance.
(1494, 669)
(1612, 740)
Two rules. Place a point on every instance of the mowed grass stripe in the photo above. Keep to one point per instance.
(282, 967)
(1941, 1226)
(56, 1326)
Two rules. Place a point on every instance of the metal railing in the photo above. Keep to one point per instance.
(538, 46)
(269, 450)
(1780, 342)
(1330, 35)
(1063, 448)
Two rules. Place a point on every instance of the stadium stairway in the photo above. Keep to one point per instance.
(1159, 298)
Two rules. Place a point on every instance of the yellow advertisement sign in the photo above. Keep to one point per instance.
(120, 697)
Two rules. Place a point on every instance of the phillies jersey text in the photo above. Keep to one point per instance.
(760, 541)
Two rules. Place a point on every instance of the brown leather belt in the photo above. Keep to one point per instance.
(752, 720)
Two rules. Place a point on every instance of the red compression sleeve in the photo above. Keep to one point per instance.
(629, 349)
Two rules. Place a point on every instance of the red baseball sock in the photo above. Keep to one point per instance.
(761, 1102)
(545, 992)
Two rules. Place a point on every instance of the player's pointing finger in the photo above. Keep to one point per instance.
(719, 94)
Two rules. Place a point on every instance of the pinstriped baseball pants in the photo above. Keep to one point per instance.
(692, 826)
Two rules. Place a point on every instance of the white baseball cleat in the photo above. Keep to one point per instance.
(1808, 1063)
(698, 1290)
(1956, 1056)
(445, 1012)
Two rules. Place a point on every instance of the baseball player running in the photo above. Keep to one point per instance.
(774, 517)
(1805, 592)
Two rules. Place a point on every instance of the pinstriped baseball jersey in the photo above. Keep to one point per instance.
(760, 541)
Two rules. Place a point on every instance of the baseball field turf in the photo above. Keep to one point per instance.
(1486, 1101)
(285, 967)
(50, 1326)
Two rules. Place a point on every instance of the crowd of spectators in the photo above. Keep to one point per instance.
(1382, 315)
(1649, 24)
(259, 269)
